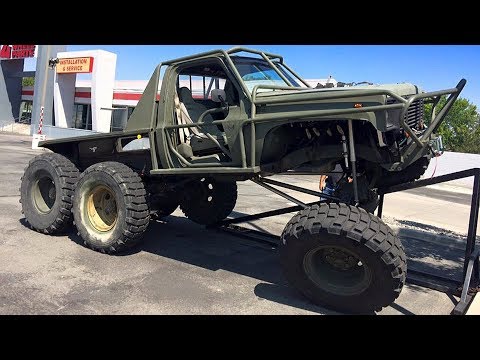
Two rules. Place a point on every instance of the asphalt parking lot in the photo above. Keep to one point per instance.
(183, 268)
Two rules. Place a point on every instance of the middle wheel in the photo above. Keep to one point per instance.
(110, 208)
(207, 201)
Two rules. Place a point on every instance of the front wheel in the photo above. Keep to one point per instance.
(110, 207)
(208, 201)
(343, 258)
(368, 198)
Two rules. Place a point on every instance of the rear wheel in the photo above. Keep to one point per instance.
(343, 258)
(46, 193)
(110, 207)
(208, 201)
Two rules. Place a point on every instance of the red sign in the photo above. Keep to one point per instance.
(8, 52)
(75, 65)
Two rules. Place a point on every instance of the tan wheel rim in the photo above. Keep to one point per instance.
(102, 208)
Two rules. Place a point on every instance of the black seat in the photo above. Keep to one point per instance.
(195, 139)
(231, 93)
(195, 110)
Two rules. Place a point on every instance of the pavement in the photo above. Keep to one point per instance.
(452, 162)
(183, 268)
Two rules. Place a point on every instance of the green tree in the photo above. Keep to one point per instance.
(472, 145)
(28, 81)
(461, 127)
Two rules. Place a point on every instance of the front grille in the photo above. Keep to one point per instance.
(415, 114)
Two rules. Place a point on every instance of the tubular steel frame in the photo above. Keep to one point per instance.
(298, 116)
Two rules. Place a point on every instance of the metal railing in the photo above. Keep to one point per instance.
(471, 270)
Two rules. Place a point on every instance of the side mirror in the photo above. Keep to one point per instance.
(219, 95)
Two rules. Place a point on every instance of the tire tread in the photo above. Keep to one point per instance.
(358, 225)
(134, 195)
(69, 175)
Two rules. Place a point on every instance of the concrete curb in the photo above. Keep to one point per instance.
(460, 188)
(474, 308)
(421, 235)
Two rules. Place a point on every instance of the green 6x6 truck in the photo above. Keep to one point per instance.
(253, 117)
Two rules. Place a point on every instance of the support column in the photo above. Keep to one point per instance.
(42, 73)
(10, 89)
(103, 81)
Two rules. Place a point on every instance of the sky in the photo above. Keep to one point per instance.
(431, 67)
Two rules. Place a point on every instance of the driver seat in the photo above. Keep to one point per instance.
(192, 140)
(195, 110)
(231, 93)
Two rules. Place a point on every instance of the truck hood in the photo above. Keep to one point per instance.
(403, 89)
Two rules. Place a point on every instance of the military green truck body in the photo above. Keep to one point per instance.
(268, 128)
(253, 117)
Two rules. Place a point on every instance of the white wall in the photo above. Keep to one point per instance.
(64, 96)
(103, 80)
(102, 83)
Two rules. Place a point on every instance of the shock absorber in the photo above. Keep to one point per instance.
(353, 159)
(344, 146)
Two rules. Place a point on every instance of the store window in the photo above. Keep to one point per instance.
(82, 116)
(25, 111)
(120, 116)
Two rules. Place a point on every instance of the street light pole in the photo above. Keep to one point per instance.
(44, 87)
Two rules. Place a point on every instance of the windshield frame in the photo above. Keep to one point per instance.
(254, 71)
(225, 54)
(292, 74)
(275, 62)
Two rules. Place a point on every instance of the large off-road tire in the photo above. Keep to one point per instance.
(162, 199)
(371, 204)
(46, 193)
(410, 173)
(166, 208)
(369, 199)
(110, 207)
(343, 258)
(162, 204)
(208, 201)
